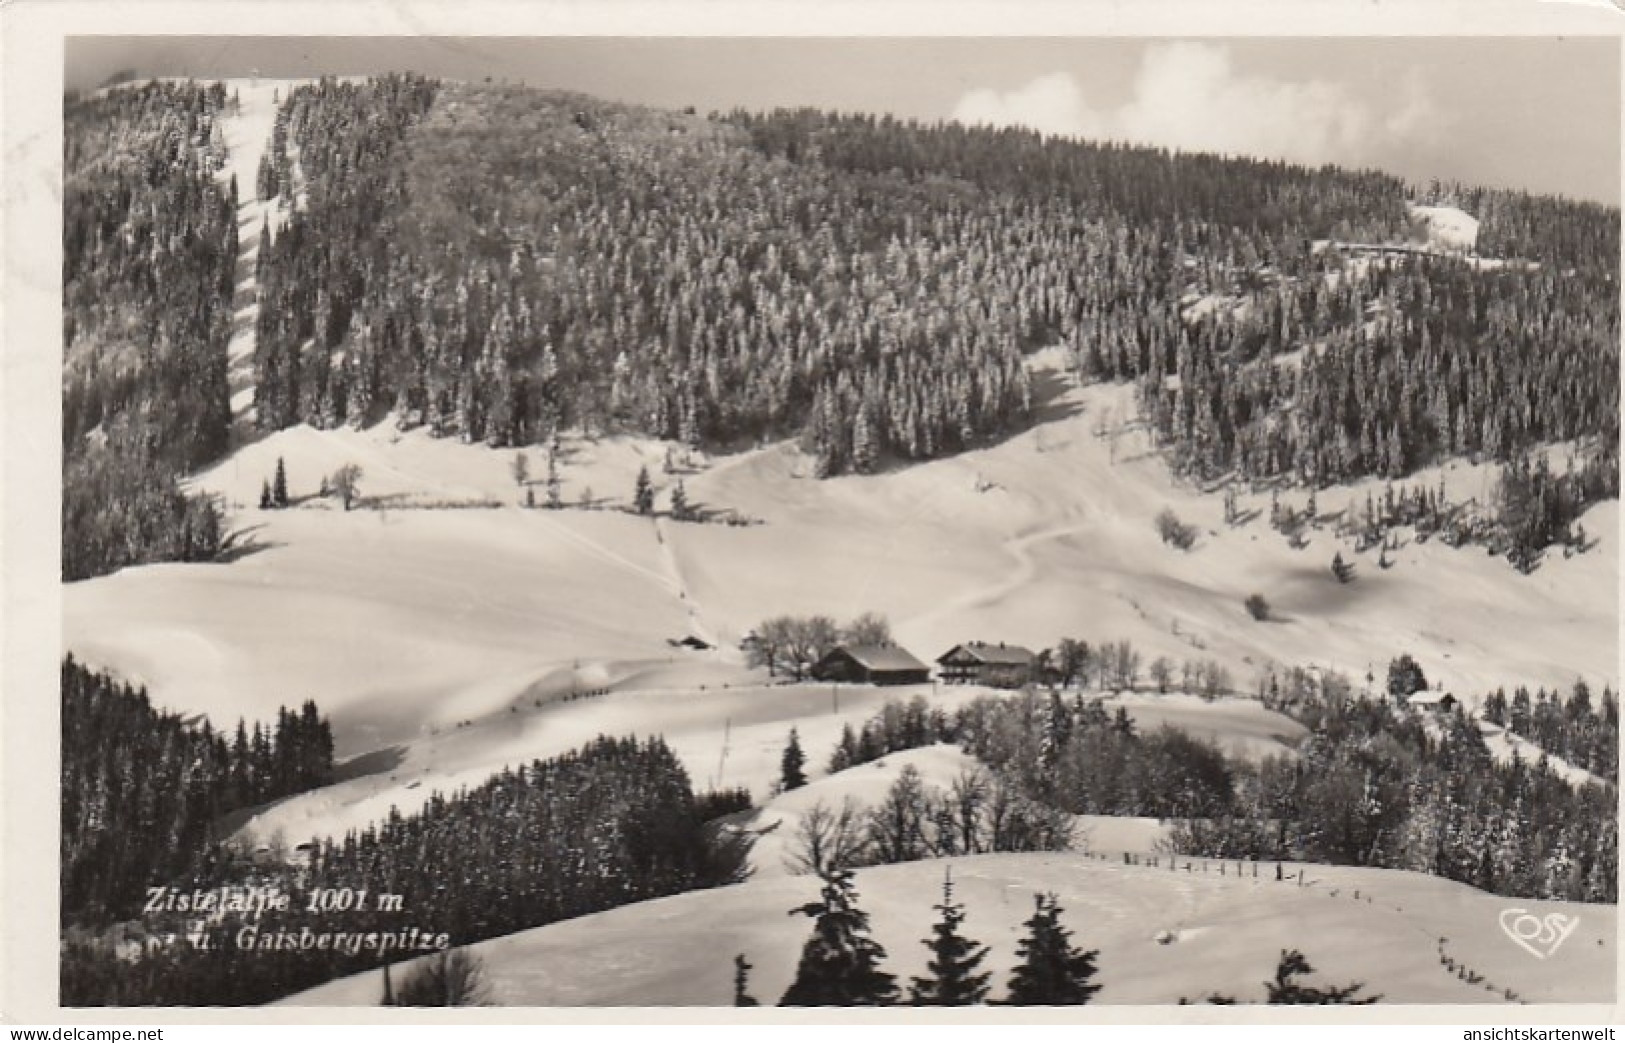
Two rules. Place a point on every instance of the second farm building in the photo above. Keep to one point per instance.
(974, 662)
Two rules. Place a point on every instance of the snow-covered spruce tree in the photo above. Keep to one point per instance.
(954, 980)
(1405, 677)
(279, 485)
(840, 963)
(792, 773)
(1286, 988)
(679, 502)
(1052, 971)
(846, 750)
(643, 494)
(265, 179)
(742, 996)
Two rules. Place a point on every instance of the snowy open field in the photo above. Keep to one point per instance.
(418, 611)
(399, 617)
(1224, 934)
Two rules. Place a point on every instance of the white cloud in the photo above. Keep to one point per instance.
(1190, 96)
(1053, 104)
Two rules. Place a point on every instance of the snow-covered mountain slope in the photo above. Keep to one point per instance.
(443, 600)
(398, 617)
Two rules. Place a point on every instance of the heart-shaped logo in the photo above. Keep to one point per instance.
(1539, 935)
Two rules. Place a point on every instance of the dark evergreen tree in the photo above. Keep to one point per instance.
(742, 996)
(954, 980)
(1286, 988)
(1405, 677)
(279, 485)
(840, 963)
(1052, 971)
(792, 764)
(846, 752)
(643, 494)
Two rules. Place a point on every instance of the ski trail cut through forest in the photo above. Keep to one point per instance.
(246, 127)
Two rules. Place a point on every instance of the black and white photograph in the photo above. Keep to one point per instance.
(845, 521)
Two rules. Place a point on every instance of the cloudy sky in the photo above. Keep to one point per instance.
(1541, 114)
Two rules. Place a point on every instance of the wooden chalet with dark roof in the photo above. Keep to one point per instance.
(1438, 702)
(977, 662)
(871, 664)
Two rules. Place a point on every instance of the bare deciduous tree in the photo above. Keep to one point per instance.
(897, 828)
(1121, 664)
(871, 628)
(346, 482)
(827, 839)
(790, 644)
(965, 804)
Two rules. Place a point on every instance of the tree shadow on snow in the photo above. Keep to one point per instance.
(1049, 388)
(1312, 590)
(242, 543)
(375, 763)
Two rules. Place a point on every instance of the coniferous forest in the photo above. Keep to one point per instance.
(1584, 735)
(142, 790)
(613, 823)
(149, 249)
(496, 262)
(1371, 785)
(497, 265)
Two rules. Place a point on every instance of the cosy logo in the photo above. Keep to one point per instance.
(1540, 935)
